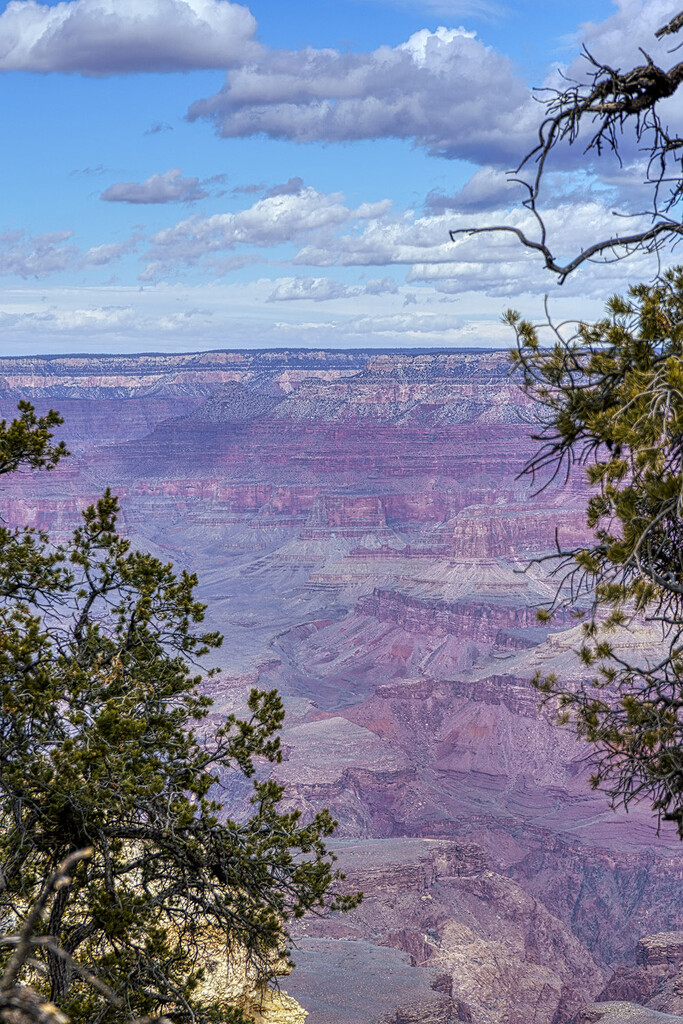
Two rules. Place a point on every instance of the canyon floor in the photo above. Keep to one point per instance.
(365, 542)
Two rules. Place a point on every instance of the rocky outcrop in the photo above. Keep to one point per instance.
(510, 531)
(656, 981)
(498, 952)
(345, 515)
(470, 620)
(664, 949)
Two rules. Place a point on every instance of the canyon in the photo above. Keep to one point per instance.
(366, 544)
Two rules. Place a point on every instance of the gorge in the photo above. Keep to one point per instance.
(364, 541)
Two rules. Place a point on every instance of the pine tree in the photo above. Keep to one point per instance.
(609, 400)
(104, 745)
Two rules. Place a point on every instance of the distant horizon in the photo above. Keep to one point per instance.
(370, 351)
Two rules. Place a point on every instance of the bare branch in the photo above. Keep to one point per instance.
(647, 240)
(673, 26)
(611, 102)
(56, 881)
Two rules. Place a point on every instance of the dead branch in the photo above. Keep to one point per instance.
(56, 881)
(20, 1004)
(612, 101)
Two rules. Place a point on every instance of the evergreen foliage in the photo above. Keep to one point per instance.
(105, 744)
(610, 400)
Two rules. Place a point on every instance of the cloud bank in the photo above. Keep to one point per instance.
(108, 37)
(38, 256)
(279, 218)
(444, 90)
(325, 289)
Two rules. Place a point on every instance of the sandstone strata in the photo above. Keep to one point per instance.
(362, 537)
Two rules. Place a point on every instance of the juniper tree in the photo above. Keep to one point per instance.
(609, 399)
(104, 744)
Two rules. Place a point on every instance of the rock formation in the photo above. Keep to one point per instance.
(230, 980)
(363, 539)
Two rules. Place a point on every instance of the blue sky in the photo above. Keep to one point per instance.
(190, 174)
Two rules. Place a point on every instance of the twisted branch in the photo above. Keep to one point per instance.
(612, 100)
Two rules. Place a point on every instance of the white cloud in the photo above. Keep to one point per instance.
(498, 265)
(100, 255)
(487, 189)
(443, 89)
(617, 39)
(107, 37)
(109, 325)
(617, 42)
(38, 256)
(410, 238)
(384, 241)
(323, 289)
(169, 187)
(272, 221)
(412, 328)
(416, 324)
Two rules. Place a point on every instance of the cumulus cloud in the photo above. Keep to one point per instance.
(272, 221)
(383, 241)
(36, 255)
(497, 265)
(491, 190)
(616, 41)
(413, 239)
(100, 255)
(169, 187)
(445, 90)
(322, 289)
(107, 37)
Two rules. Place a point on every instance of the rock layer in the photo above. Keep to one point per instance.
(362, 538)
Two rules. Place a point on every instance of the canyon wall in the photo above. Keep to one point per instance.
(365, 543)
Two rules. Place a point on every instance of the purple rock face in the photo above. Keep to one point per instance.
(360, 532)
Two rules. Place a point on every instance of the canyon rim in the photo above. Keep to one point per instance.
(363, 539)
